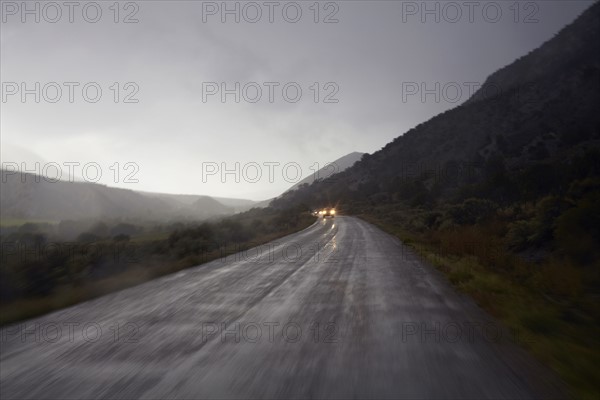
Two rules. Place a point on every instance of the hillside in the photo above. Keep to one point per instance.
(541, 123)
(238, 205)
(192, 205)
(328, 170)
(332, 168)
(30, 197)
(184, 200)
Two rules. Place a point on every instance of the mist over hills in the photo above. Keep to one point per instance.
(185, 200)
(330, 169)
(327, 171)
(27, 196)
(33, 197)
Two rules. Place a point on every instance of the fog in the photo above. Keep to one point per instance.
(153, 96)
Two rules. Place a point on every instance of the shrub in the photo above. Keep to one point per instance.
(577, 229)
(472, 211)
(520, 234)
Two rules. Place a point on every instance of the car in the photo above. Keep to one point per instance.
(327, 212)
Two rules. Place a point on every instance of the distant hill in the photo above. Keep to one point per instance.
(191, 205)
(27, 196)
(183, 200)
(238, 205)
(328, 170)
(332, 168)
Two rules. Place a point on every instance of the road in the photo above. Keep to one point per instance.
(339, 310)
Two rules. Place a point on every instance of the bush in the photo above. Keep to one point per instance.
(577, 230)
(520, 235)
(472, 211)
(536, 229)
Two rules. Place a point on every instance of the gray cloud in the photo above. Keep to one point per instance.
(170, 132)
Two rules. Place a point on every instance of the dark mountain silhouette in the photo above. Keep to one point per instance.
(525, 139)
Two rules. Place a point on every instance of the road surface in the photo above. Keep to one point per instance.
(340, 310)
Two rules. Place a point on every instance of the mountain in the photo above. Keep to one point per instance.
(565, 51)
(328, 170)
(238, 205)
(190, 205)
(339, 165)
(231, 205)
(28, 196)
(17, 157)
(207, 207)
(533, 136)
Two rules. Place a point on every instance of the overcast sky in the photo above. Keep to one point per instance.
(175, 58)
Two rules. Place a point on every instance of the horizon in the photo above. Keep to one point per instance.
(243, 147)
(36, 168)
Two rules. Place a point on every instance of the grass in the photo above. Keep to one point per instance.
(558, 333)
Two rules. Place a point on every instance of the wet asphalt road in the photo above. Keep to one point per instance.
(339, 310)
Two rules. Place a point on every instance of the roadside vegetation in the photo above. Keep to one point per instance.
(47, 266)
(523, 242)
(550, 303)
(533, 264)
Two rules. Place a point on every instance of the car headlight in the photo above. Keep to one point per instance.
(332, 211)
